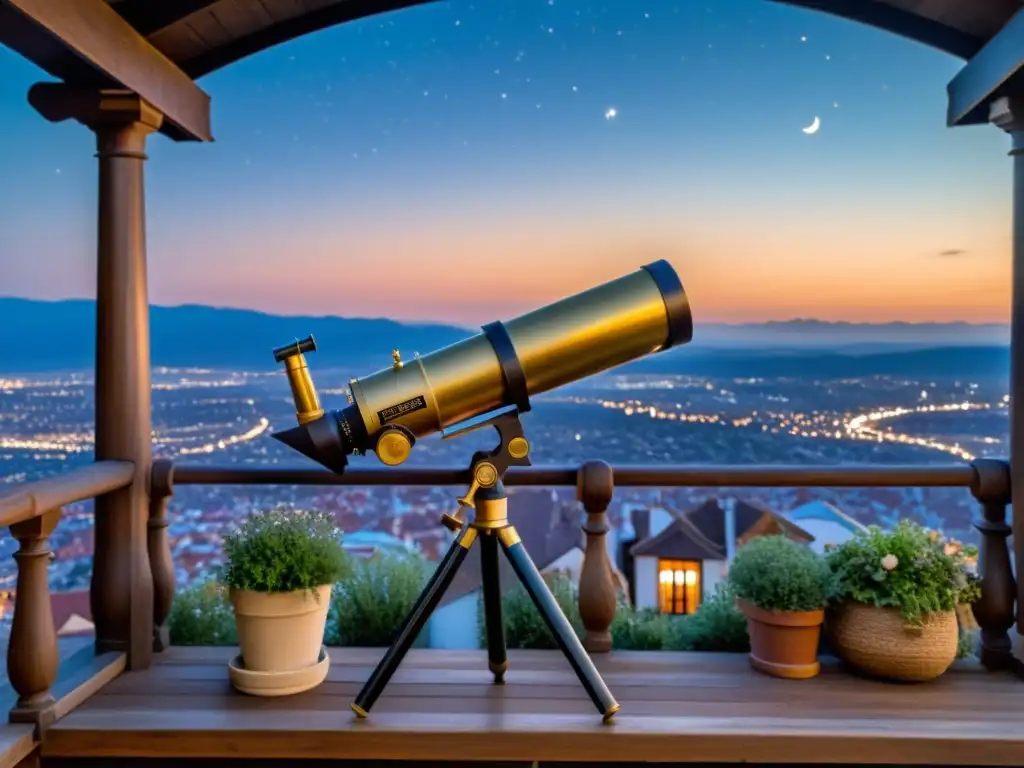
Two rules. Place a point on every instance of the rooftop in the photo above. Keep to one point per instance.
(205, 35)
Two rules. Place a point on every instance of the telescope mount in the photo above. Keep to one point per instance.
(491, 527)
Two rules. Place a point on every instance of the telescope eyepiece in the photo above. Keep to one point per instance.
(307, 402)
(297, 347)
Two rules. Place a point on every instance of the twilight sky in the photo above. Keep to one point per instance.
(467, 161)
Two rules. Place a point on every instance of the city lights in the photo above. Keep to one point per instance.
(815, 425)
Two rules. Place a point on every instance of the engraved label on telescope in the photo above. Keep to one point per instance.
(393, 412)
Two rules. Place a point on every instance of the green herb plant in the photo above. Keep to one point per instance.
(524, 626)
(202, 615)
(284, 550)
(370, 604)
(778, 574)
(911, 569)
(639, 630)
(717, 625)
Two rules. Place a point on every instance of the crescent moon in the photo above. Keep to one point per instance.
(811, 129)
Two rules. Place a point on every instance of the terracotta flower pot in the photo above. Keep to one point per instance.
(280, 631)
(878, 642)
(783, 643)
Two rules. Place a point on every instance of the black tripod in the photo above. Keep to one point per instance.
(491, 527)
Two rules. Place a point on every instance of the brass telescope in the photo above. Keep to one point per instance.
(487, 380)
(625, 319)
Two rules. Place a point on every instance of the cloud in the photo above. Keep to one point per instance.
(950, 253)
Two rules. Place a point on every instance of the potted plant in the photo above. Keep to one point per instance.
(782, 587)
(897, 596)
(280, 566)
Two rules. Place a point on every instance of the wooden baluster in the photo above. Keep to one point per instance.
(994, 610)
(598, 597)
(32, 655)
(161, 562)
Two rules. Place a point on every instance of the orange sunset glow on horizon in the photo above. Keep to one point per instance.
(455, 273)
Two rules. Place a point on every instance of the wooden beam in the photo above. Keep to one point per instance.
(996, 70)
(86, 42)
(900, 19)
(149, 18)
(304, 23)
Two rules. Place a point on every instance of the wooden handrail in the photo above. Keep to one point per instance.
(30, 500)
(694, 476)
(32, 511)
(595, 482)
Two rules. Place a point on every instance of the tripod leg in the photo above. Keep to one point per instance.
(497, 658)
(560, 627)
(417, 619)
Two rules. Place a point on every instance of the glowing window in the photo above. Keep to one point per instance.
(679, 586)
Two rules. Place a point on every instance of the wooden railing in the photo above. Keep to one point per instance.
(32, 511)
(595, 481)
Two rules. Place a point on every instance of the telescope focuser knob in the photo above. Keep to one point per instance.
(307, 402)
(394, 444)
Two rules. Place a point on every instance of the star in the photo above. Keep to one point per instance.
(611, 113)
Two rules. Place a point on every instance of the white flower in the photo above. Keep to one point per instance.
(889, 562)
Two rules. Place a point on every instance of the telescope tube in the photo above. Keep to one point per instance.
(625, 319)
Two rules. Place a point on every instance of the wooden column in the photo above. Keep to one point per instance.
(1008, 114)
(32, 655)
(994, 609)
(598, 597)
(161, 562)
(122, 585)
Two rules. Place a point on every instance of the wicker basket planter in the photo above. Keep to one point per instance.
(878, 642)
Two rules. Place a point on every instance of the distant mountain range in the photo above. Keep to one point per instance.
(851, 337)
(60, 335)
(960, 362)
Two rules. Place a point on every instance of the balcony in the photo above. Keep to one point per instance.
(133, 698)
(442, 706)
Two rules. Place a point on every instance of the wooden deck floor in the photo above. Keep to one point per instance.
(441, 706)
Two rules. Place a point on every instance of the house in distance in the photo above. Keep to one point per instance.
(673, 567)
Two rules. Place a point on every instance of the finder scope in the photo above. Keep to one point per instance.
(625, 319)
